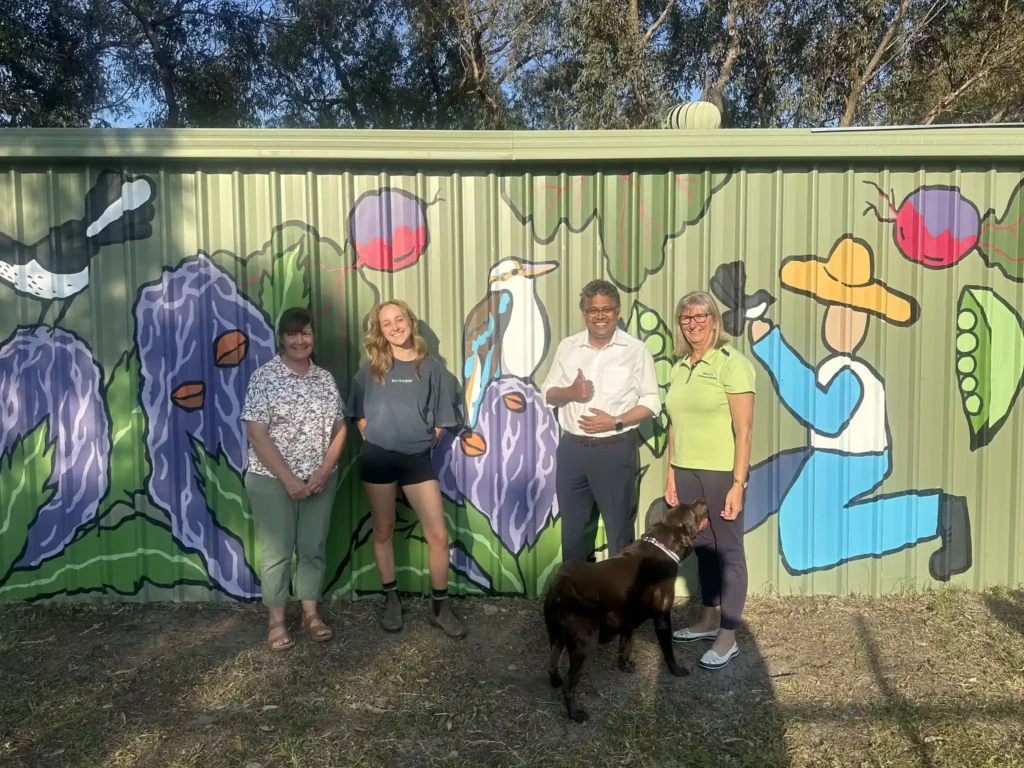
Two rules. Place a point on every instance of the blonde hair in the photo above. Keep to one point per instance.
(698, 300)
(378, 348)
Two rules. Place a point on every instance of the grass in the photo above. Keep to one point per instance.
(932, 678)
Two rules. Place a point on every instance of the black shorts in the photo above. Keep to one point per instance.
(383, 467)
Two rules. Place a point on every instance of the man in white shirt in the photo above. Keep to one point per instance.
(602, 383)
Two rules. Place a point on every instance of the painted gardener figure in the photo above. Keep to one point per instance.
(602, 383)
(830, 510)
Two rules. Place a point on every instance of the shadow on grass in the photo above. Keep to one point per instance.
(1008, 607)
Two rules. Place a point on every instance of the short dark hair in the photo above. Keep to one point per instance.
(295, 320)
(599, 288)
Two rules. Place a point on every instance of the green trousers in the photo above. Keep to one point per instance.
(284, 527)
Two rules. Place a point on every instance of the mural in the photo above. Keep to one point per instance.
(122, 456)
(636, 216)
(826, 516)
(989, 360)
(505, 334)
(937, 226)
(118, 208)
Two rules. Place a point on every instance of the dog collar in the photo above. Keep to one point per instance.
(662, 547)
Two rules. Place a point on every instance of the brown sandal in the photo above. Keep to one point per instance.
(278, 638)
(317, 630)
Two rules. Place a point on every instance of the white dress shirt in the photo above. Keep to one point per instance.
(622, 373)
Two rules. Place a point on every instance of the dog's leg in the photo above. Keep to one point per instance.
(626, 663)
(556, 654)
(663, 629)
(578, 656)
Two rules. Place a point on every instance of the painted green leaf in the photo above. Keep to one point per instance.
(287, 284)
(129, 465)
(646, 324)
(24, 488)
(542, 560)
(117, 559)
(226, 498)
(472, 529)
(636, 215)
(1000, 240)
(989, 360)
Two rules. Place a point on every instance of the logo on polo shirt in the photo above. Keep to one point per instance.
(708, 375)
(402, 381)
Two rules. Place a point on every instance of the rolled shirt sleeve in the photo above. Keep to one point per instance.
(646, 383)
(556, 373)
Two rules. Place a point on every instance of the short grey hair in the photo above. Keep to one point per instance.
(599, 288)
(703, 301)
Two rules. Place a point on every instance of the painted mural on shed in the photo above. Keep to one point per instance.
(121, 468)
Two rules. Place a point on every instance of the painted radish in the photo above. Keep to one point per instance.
(935, 225)
(388, 229)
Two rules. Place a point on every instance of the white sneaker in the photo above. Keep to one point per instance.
(684, 635)
(712, 660)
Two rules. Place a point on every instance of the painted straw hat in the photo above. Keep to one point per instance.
(846, 278)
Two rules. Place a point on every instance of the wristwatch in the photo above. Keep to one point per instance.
(618, 426)
(735, 481)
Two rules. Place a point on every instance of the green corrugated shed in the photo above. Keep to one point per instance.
(122, 450)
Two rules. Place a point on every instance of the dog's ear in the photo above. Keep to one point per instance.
(700, 506)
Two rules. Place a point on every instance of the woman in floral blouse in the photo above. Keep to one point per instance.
(294, 420)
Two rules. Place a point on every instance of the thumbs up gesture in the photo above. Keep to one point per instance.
(581, 390)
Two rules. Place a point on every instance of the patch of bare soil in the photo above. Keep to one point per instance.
(931, 680)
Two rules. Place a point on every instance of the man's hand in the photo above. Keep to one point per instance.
(598, 422)
(580, 390)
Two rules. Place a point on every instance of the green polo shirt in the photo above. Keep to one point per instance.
(698, 406)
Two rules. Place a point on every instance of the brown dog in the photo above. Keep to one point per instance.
(590, 603)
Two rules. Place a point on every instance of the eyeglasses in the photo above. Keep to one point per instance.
(694, 319)
(595, 311)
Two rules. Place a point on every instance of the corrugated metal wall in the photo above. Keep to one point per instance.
(119, 424)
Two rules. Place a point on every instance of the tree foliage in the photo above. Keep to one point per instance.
(499, 64)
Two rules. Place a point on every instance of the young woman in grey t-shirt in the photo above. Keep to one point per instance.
(400, 400)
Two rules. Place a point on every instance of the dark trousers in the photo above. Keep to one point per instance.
(601, 471)
(721, 560)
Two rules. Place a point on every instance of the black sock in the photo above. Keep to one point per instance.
(391, 586)
(439, 595)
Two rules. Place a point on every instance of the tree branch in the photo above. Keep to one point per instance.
(163, 63)
(859, 81)
(651, 30)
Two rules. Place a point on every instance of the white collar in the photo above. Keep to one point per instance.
(662, 547)
(619, 339)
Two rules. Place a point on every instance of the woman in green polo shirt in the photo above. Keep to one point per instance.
(711, 407)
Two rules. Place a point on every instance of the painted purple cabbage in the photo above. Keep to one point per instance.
(55, 376)
(513, 483)
(181, 321)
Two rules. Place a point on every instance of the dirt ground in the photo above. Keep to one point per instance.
(934, 679)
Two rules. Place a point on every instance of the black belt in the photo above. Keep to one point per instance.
(589, 441)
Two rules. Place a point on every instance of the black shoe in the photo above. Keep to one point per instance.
(392, 618)
(954, 528)
(446, 620)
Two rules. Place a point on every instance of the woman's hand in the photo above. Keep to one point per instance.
(318, 479)
(297, 489)
(733, 502)
(671, 498)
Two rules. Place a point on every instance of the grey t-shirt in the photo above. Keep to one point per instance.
(402, 414)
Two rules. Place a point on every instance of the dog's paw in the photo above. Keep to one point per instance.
(579, 716)
(556, 679)
(628, 666)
